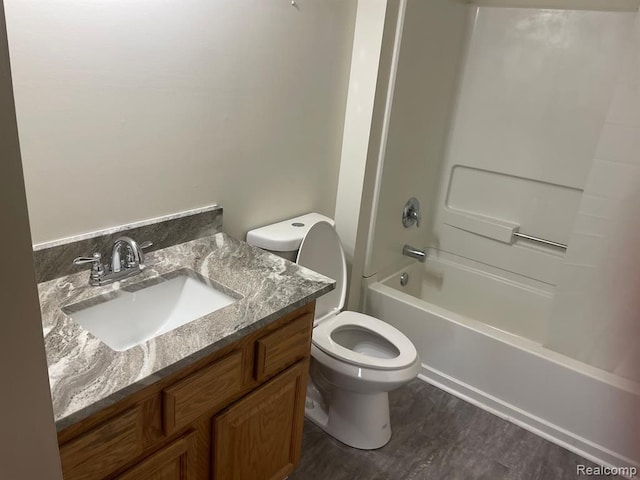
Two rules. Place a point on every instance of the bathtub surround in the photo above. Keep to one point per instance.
(429, 57)
(534, 94)
(596, 309)
(130, 110)
(86, 375)
(54, 259)
(433, 33)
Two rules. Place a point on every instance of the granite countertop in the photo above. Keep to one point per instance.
(86, 375)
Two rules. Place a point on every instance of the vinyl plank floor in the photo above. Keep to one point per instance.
(439, 436)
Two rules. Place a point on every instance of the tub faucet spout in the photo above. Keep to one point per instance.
(416, 253)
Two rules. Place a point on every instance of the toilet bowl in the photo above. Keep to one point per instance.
(364, 354)
(356, 359)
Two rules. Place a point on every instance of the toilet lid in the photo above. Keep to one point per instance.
(321, 251)
(322, 338)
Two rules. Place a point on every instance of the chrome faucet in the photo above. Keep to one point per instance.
(133, 256)
(413, 252)
(119, 268)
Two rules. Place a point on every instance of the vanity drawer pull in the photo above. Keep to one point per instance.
(203, 391)
(284, 347)
(105, 447)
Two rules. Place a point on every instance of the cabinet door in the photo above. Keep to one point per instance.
(173, 462)
(259, 437)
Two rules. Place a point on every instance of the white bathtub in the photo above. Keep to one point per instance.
(496, 360)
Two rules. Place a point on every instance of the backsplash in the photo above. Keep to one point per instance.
(54, 259)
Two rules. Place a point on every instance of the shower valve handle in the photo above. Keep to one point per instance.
(411, 213)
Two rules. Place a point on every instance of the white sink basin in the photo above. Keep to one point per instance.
(139, 313)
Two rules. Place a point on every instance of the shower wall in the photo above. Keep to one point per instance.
(431, 49)
(596, 311)
(534, 94)
(496, 120)
(494, 123)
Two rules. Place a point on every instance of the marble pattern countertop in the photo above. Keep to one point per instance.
(86, 376)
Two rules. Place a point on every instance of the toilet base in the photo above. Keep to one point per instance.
(360, 420)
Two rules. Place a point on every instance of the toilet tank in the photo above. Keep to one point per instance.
(284, 238)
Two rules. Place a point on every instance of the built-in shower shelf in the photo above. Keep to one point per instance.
(497, 229)
(494, 228)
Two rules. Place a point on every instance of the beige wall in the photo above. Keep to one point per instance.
(131, 110)
(28, 445)
(431, 51)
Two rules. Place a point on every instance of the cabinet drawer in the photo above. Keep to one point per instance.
(173, 462)
(284, 347)
(104, 448)
(205, 390)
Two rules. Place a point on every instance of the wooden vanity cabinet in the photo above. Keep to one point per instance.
(259, 437)
(237, 414)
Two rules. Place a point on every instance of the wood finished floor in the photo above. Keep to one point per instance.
(438, 436)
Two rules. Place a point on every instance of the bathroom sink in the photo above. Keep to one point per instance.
(133, 315)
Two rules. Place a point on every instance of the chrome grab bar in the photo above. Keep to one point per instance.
(540, 240)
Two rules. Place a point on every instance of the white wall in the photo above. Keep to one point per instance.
(431, 49)
(29, 447)
(596, 311)
(129, 109)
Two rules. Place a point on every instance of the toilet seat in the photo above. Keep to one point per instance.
(322, 338)
(322, 252)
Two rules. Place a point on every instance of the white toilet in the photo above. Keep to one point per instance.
(356, 359)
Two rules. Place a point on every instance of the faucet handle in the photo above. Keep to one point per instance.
(417, 216)
(143, 246)
(95, 258)
(97, 269)
(411, 213)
